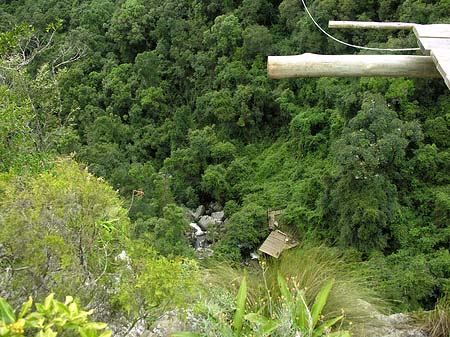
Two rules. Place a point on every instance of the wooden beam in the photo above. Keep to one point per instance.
(371, 25)
(313, 65)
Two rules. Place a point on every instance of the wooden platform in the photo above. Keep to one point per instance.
(433, 40)
(276, 242)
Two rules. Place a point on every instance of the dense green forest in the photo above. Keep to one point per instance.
(117, 117)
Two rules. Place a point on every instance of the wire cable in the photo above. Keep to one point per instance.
(349, 44)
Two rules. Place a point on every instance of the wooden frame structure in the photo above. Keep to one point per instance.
(276, 243)
(434, 42)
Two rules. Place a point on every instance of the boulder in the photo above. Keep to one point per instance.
(171, 322)
(215, 207)
(198, 212)
(206, 221)
(379, 325)
(219, 216)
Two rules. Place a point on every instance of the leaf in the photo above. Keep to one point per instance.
(95, 325)
(62, 308)
(320, 301)
(184, 334)
(48, 301)
(35, 320)
(284, 289)
(240, 307)
(83, 314)
(107, 333)
(40, 308)
(87, 332)
(49, 333)
(73, 309)
(266, 324)
(303, 320)
(6, 312)
(25, 308)
(318, 331)
(69, 299)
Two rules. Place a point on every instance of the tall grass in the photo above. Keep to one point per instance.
(437, 322)
(311, 267)
(304, 268)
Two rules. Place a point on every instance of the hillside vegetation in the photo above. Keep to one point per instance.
(118, 117)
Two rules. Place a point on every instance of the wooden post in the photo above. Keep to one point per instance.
(371, 25)
(313, 65)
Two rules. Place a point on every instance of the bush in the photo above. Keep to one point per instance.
(49, 319)
(61, 230)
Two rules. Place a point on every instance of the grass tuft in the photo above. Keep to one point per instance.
(437, 321)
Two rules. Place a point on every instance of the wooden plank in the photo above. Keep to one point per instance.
(436, 30)
(442, 59)
(428, 43)
(370, 25)
(313, 65)
(276, 243)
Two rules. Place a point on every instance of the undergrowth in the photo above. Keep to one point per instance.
(306, 271)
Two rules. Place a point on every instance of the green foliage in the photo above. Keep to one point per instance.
(169, 232)
(305, 319)
(49, 319)
(263, 305)
(151, 284)
(17, 139)
(244, 230)
(225, 34)
(170, 103)
(240, 308)
(411, 281)
(372, 148)
(11, 39)
(62, 227)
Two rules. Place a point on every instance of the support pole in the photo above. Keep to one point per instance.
(371, 25)
(313, 65)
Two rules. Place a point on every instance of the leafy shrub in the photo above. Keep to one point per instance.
(61, 230)
(49, 319)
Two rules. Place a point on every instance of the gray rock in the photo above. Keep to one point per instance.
(379, 325)
(215, 207)
(206, 221)
(172, 322)
(204, 253)
(199, 212)
(219, 216)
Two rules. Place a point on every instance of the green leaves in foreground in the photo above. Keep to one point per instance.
(292, 313)
(240, 307)
(49, 319)
(306, 319)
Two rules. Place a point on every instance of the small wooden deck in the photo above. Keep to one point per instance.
(433, 40)
(276, 242)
